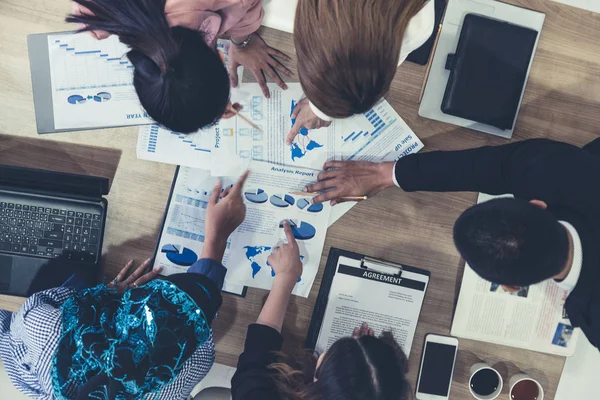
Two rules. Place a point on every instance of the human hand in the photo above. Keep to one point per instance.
(363, 330)
(285, 259)
(223, 217)
(228, 113)
(262, 60)
(350, 179)
(305, 118)
(137, 278)
(77, 9)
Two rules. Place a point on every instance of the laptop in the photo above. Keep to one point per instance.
(51, 226)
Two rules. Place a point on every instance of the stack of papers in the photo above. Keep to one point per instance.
(279, 171)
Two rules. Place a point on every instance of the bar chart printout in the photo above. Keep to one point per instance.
(92, 83)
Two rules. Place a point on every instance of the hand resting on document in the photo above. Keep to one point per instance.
(351, 178)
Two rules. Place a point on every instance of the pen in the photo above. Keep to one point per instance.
(435, 43)
(236, 112)
(347, 198)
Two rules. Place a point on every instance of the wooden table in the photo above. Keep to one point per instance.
(562, 102)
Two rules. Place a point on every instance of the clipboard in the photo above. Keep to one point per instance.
(162, 228)
(366, 262)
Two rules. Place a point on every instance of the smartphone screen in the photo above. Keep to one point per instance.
(436, 370)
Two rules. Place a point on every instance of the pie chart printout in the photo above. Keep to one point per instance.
(257, 196)
(184, 258)
(301, 230)
(282, 201)
(304, 204)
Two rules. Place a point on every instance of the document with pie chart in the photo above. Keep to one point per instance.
(92, 83)
(270, 200)
(182, 238)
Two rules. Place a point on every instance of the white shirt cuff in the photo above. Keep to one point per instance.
(319, 113)
(394, 175)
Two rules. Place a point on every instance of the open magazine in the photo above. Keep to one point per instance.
(533, 318)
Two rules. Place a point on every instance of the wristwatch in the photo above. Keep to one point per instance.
(243, 44)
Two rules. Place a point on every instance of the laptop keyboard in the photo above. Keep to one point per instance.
(49, 232)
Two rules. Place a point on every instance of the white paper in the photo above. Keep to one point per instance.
(159, 144)
(385, 302)
(236, 141)
(379, 135)
(156, 143)
(92, 83)
(269, 201)
(534, 318)
(219, 376)
(579, 379)
(184, 223)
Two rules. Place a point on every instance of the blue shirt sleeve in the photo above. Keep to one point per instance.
(212, 269)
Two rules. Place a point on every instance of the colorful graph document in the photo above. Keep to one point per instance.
(159, 144)
(92, 83)
(269, 200)
(182, 237)
(236, 141)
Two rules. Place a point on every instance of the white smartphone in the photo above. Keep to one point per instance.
(437, 367)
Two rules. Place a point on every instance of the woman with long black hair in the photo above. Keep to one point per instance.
(179, 77)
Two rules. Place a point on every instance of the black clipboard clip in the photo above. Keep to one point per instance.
(380, 266)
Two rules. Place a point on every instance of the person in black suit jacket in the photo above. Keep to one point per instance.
(550, 230)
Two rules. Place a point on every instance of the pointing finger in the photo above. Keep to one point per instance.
(296, 111)
(288, 233)
(237, 188)
(214, 197)
(293, 132)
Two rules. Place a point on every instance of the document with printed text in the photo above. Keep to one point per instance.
(386, 298)
(531, 317)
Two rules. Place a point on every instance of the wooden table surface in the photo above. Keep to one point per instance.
(562, 102)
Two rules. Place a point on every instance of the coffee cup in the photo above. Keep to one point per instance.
(485, 382)
(523, 387)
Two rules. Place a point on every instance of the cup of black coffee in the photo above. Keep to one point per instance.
(523, 387)
(485, 382)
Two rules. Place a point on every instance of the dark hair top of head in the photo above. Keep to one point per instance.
(512, 242)
(180, 80)
(352, 369)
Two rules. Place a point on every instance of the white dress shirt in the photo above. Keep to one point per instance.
(417, 32)
(570, 281)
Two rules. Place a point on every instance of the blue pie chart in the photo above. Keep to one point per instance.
(257, 196)
(304, 231)
(102, 97)
(302, 203)
(315, 208)
(282, 201)
(186, 258)
(76, 99)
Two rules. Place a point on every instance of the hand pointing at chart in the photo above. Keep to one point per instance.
(223, 217)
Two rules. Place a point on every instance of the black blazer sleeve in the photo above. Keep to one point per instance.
(251, 380)
(555, 172)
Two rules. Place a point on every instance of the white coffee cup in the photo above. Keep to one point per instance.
(480, 367)
(520, 378)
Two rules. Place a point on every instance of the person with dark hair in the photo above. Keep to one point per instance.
(178, 75)
(137, 337)
(357, 367)
(550, 230)
(348, 53)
